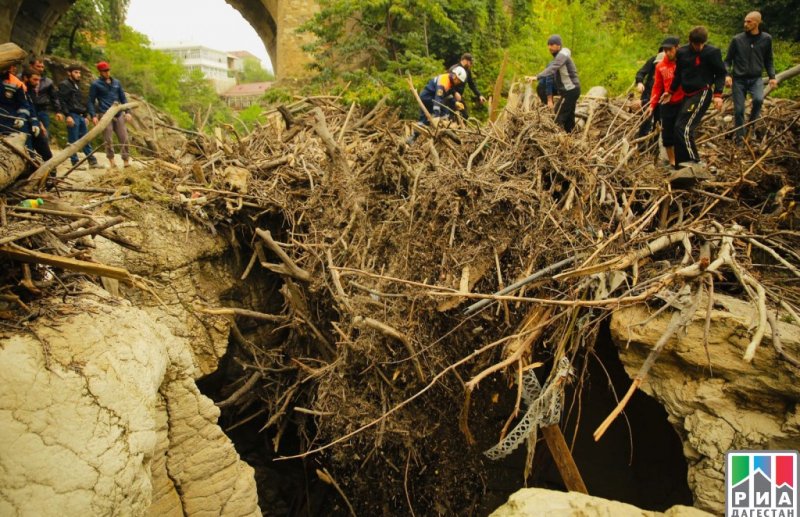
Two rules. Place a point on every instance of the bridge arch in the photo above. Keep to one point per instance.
(29, 24)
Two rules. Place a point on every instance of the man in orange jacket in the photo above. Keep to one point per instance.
(668, 111)
(437, 90)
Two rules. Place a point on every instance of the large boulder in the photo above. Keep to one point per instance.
(100, 415)
(186, 266)
(530, 502)
(722, 406)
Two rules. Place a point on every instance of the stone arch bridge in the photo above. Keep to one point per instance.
(29, 23)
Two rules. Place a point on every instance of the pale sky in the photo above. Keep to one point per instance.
(212, 23)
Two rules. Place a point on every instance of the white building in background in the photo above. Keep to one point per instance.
(214, 64)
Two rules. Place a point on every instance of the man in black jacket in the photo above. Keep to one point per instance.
(644, 85)
(73, 107)
(749, 53)
(44, 97)
(458, 96)
(699, 70)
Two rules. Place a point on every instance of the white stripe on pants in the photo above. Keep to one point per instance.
(688, 129)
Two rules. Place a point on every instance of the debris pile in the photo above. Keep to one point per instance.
(389, 255)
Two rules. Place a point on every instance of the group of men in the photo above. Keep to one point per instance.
(27, 104)
(677, 86)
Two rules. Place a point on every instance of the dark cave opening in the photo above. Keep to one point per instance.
(638, 461)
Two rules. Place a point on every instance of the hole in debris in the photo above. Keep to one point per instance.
(643, 464)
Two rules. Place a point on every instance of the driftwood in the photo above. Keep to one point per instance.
(10, 53)
(12, 164)
(42, 172)
(783, 76)
(81, 266)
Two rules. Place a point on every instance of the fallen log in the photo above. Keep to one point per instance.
(12, 165)
(10, 53)
(42, 172)
(92, 268)
(783, 76)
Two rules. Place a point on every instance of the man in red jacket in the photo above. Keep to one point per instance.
(700, 72)
(662, 80)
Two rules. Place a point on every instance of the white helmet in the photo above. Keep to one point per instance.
(460, 73)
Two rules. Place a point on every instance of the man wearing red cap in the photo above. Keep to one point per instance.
(103, 93)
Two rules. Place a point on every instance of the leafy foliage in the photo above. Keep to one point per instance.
(364, 48)
(77, 33)
(158, 77)
(253, 72)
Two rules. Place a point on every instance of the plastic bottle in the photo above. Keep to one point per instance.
(32, 203)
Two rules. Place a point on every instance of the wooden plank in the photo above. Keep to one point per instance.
(81, 266)
(563, 459)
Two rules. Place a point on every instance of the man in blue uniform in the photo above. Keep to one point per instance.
(434, 95)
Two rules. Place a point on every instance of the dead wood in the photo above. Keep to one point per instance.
(41, 174)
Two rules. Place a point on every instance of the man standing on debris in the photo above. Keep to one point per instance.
(749, 53)
(563, 69)
(104, 92)
(466, 63)
(72, 106)
(698, 69)
(434, 95)
(44, 97)
(664, 73)
(38, 140)
(645, 77)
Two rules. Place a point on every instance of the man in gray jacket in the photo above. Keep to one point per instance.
(562, 68)
(749, 54)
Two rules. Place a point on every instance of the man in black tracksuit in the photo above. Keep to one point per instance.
(749, 53)
(699, 70)
(458, 96)
(644, 85)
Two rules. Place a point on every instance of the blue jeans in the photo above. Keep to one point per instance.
(741, 87)
(74, 133)
(44, 118)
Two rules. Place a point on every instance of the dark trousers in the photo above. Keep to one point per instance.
(741, 87)
(668, 114)
(566, 109)
(75, 132)
(647, 124)
(689, 117)
(44, 118)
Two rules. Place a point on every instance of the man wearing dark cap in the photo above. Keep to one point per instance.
(662, 80)
(644, 85)
(466, 62)
(749, 54)
(104, 93)
(563, 70)
(72, 107)
(700, 72)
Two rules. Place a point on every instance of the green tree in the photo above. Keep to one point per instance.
(186, 96)
(253, 72)
(85, 23)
